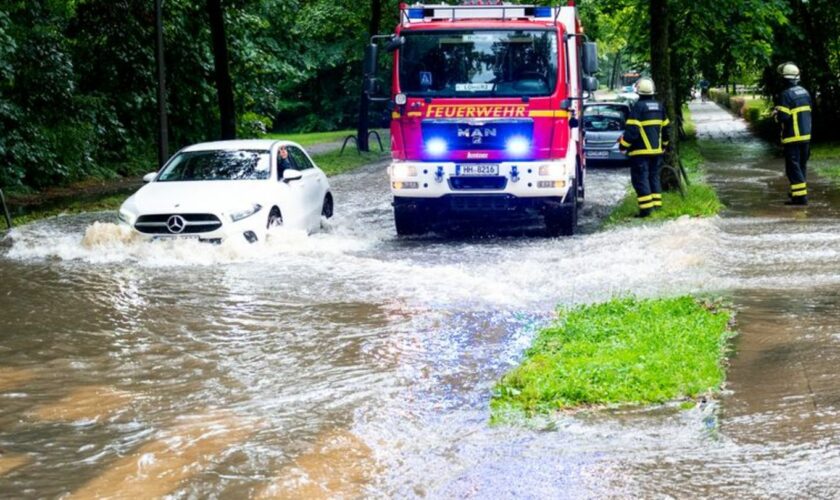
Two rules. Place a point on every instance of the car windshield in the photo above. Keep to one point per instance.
(604, 118)
(238, 165)
(509, 63)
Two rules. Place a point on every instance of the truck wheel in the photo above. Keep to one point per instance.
(408, 223)
(562, 221)
(579, 183)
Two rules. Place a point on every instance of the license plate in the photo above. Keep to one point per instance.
(479, 170)
(171, 237)
(597, 154)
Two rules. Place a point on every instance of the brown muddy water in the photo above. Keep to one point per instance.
(353, 364)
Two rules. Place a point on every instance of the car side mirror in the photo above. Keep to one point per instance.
(590, 83)
(290, 175)
(149, 177)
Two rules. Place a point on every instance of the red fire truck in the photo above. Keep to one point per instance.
(487, 99)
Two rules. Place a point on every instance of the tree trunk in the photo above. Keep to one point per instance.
(163, 123)
(660, 62)
(221, 59)
(363, 129)
(615, 70)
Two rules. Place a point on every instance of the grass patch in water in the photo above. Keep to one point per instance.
(625, 351)
(701, 200)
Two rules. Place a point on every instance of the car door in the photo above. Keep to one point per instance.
(312, 184)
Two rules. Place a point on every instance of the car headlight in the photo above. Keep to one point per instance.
(244, 214)
(127, 217)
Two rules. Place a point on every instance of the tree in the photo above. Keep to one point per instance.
(221, 58)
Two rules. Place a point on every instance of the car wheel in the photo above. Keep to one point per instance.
(275, 218)
(327, 210)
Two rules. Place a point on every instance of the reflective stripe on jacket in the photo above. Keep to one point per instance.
(794, 114)
(646, 131)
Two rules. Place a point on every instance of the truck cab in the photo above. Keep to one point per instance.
(487, 102)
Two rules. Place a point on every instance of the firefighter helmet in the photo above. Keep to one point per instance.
(645, 86)
(789, 71)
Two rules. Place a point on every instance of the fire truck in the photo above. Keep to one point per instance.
(487, 100)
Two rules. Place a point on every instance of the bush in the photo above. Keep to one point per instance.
(253, 125)
(752, 115)
(737, 104)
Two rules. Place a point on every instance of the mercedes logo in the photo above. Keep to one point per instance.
(176, 224)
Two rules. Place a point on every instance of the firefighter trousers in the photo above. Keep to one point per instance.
(644, 174)
(796, 167)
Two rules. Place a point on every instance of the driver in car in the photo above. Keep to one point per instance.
(283, 161)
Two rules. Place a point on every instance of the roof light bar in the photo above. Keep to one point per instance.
(475, 9)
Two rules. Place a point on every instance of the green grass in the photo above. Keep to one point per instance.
(333, 164)
(309, 139)
(625, 351)
(700, 200)
(825, 159)
(88, 204)
(314, 137)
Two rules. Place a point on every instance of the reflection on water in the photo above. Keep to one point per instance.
(350, 363)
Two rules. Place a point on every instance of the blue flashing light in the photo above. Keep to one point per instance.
(518, 146)
(415, 13)
(542, 12)
(437, 147)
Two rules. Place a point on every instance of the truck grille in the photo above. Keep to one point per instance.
(168, 224)
(493, 203)
(477, 183)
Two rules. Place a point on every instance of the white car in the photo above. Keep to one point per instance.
(230, 189)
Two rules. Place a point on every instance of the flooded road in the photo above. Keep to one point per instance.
(351, 363)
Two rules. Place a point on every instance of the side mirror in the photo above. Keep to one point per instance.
(566, 104)
(290, 175)
(590, 83)
(149, 177)
(371, 55)
(395, 43)
(590, 58)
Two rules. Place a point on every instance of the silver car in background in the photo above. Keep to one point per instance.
(603, 123)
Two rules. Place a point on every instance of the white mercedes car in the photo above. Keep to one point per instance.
(231, 189)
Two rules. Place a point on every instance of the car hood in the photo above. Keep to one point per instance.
(198, 197)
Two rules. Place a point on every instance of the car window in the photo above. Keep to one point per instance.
(299, 158)
(604, 118)
(220, 165)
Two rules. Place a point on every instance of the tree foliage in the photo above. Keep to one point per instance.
(77, 78)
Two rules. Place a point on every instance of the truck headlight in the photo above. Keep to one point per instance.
(244, 214)
(401, 171)
(553, 170)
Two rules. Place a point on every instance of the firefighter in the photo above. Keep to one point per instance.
(645, 138)
(793, 113)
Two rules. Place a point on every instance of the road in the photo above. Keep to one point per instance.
(352, 363)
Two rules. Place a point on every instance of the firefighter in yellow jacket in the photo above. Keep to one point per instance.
(645, 139)
(793, 112)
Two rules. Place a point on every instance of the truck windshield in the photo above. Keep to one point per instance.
(505, 63)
